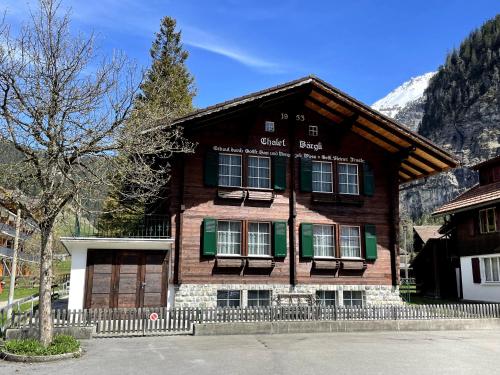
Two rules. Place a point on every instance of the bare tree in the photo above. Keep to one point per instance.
(71, 120)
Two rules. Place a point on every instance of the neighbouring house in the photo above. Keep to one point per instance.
(473, 221)
(292, 193)
(435, 264)
(7, 236)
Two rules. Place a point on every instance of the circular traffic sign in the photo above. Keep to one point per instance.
(153, 316)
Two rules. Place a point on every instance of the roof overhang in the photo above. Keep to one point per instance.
(465, 208)
(418, 156)
(79, 243)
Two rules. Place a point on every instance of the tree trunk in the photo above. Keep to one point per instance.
(45, 302)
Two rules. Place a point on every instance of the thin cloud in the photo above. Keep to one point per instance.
(201, 39)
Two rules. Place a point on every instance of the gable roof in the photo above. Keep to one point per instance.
(427, 232)
(419, 156)
(475, 197)
(492, 161)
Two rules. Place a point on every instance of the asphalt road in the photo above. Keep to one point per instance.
(402, 353)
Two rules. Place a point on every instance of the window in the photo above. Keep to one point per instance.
(326, 298)
(313, 130)
(322, 177)
(259, 298)
(491, 269)
(323, 241)
(350, 242)
(259, 172)
(228, 298)
(259, 239)
(269, 126)
(229, 170)
(348, 178)
(229, 237)
(353, 298)
(487, 220)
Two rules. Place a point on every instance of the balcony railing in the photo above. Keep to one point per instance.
(146, 226)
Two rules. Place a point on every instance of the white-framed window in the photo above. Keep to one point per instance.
(259, 298)
(322, 177)
(348, 178)
(313, 130)
(491, 269)
(269, 126)
(487, 220)
(228, 237)
(323, 240)
(259, 172)
(230, 170)
(353, 298)
(350, 241)
(326, 297)
(228, 298)
(259, 238)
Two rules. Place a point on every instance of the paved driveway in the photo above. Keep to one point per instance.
(469, 352)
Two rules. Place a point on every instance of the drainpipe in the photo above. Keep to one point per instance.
(293, 206)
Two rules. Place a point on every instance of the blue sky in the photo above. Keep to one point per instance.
(365, 48)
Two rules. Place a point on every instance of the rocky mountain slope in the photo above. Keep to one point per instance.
(458, 110)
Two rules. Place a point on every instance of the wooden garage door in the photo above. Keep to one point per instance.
(124, 278)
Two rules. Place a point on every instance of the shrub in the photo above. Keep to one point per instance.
(60, 345)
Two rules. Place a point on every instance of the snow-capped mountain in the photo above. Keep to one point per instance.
(405, 103)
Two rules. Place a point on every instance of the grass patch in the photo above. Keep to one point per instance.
(421, 300)
(60, 345)
(18, 293)
(62, 267)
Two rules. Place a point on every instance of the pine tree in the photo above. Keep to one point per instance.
(168, 89)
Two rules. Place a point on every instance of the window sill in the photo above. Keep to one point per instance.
(339, 199)
(254, 262)
(353, 264)
(323, 263)
(241, 193)
(491, 283)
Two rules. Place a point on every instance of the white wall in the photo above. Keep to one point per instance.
(487, 292)
(77, 277)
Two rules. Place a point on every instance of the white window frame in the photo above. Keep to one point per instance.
(348, 174)
(321, 176)
(258, 168)
(490, 275)
(487, 221)
(259, 299)
(320, 297)
(219, 253)
(332, 227)
(268, 245)
(230, 175)
(313, 130)
(228, 299)
(362, 299)
(359, 237)
(269, 126)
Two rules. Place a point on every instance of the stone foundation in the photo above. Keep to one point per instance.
(205, 295)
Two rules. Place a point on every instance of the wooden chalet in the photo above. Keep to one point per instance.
(291, 191)
(473, 223)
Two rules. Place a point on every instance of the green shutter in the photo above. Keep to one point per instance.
(279, 239)
(279, 172)
(211, 172)
(306, 240)
(368, 180)
(305, 174)
(371, 242)
(209, 236)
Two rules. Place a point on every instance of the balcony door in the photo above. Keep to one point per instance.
(126, 279)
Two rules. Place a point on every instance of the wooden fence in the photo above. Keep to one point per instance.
(157, 321)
